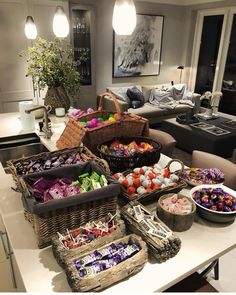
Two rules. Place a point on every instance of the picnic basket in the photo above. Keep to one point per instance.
(127, 124)
(62, 254)
(58, 215)
(122, 163)
(84, 153)
(109, 276)
(161, 248)
(156, 193)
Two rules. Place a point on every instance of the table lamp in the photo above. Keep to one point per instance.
(181, 69)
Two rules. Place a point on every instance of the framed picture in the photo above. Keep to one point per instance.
(139, 54)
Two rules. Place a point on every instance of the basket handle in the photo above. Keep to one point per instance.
(175, 160)
(101, 103)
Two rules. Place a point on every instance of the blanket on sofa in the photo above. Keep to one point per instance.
(170, 97)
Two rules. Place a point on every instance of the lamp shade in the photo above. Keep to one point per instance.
(60, 23)
(30, 28)
(124, 17)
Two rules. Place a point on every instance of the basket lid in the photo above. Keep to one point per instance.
(72, 135)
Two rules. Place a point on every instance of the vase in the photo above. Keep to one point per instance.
(57, 97)
(209, 112)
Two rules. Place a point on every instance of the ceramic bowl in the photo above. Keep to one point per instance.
(214, 216)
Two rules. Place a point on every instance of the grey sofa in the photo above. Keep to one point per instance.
(154, 114)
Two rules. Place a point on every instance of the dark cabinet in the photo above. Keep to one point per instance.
(81, 39)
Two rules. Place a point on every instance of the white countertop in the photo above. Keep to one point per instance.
(40, 272)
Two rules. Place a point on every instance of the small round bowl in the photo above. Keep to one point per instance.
(176, 222)
(208, 214)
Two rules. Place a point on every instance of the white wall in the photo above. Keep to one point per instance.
(174, 44)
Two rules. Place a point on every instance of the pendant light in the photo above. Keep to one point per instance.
(60, 23)
(124, 17)
(30, 28)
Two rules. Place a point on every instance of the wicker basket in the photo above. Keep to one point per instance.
(59, 215)
(82, 150)
(122, 163)
(155, 194)
(161, 249)
(112, 275)
(128, 125)
(61, 254)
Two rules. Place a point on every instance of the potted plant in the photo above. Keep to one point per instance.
(52, 64)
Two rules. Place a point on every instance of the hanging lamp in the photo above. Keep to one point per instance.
(30, 28)
(124, 17)
(60, 23)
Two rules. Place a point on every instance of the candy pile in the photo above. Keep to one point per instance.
(85, 234)
(119, 149)
(45, 190)
(24, 167)
(146, 179)
(98, 122)
(77, 113)
(163, 243)
(203, 176)
(177, 205)
(215, 199)
(105, 258)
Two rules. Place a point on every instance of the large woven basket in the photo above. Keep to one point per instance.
(155, 194)
(122, 163)
(161, 249)
(61, 254)
(42, 157)
(112, 275)
(127, 125)
(61, 214)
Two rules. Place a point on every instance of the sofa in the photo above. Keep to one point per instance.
(153, 113)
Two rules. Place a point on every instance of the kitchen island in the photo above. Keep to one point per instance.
(201, 244)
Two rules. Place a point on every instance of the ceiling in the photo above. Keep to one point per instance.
(182, 2)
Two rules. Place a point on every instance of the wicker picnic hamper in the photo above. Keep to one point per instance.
(109, 276)
(42, 158)
(161, 248)
(127, 124)
(62, 254)
(122, 163)
(58, 215)
(156, 193)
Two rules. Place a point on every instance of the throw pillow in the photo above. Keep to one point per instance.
(135, 94)
(136, 104)
(121, 95)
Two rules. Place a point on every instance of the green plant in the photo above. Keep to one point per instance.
(52, 64)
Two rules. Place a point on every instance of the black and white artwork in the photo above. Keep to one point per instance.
(139, 54)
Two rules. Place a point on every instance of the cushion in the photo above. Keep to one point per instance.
(135, 95)
(120, 93)
(136, 104)
(148, 111)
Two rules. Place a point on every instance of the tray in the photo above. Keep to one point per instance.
(112, 275)
(161, 249)
(155, 194)
(62, 254)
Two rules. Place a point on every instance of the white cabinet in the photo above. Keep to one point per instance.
(14, 86)
(10, 278)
